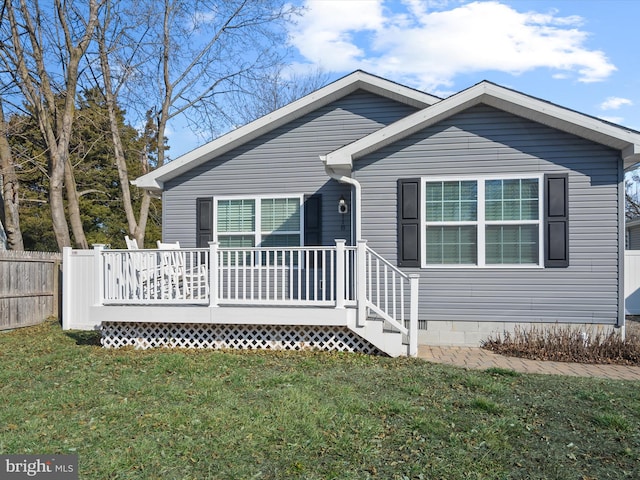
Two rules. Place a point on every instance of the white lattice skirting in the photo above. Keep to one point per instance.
(269, 337)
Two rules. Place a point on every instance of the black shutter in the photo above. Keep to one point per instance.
(313, 219)
(409, 222)
(204, 222)
(556, 220)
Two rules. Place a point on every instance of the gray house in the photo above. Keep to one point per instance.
(633, 234)
(509, 208)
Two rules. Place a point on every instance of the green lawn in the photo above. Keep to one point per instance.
(231, 415)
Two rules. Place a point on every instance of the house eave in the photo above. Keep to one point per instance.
(152, 185)
(344, 157)
(358, 80)
(590, 128)
(631, 156)
(599, 131)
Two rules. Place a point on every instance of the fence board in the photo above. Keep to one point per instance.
(29, 288)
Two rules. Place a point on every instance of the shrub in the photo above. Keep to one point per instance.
(564, 344)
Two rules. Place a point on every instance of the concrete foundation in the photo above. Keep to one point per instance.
(472, 334)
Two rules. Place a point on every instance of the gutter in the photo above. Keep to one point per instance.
(358, 195)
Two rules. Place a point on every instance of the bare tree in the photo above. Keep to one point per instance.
(163, 59)
(116, 41)
(176, 58)
(44, 50)
(197, 53)
(274, 89)
(10, 189)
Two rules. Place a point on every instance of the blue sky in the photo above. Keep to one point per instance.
(581, 54)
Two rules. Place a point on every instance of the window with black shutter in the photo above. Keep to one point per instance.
(556, 220)
(313, 219)
(409, 222)
(204, 222)
(504, 221)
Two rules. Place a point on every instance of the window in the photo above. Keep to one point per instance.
(280, 222)
(236, 223)
(262, 222)
(512, 216)
(482, 222)
(451, 214)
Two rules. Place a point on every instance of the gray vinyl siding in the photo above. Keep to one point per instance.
(284, 161)
(486, 141)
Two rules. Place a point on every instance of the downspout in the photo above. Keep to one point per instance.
(621, 320)
(358, 196)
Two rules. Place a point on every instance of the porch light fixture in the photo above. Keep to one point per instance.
(343, 208)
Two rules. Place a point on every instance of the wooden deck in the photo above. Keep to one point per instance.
(325, 287)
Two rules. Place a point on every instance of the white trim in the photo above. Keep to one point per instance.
(154, 180)
(258, 233)
(631, 223)
(599, 131)
(481, 223)
(225, 315)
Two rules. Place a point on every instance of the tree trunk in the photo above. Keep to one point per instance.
(73, 207)
(136, 230)
(57, 163)
(10, 188)
(26, 27)
(56, 202)
(121, 165)
(144, 215)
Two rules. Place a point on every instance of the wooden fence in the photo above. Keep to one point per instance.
(29, 288)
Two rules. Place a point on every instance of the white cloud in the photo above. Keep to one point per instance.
(325, 34)
(425, 45)
(614, 103)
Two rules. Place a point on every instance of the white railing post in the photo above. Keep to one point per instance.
(67, 284)
(361, 281)
(340, 254)
(213, 274)
(99, 269)
(414, 281)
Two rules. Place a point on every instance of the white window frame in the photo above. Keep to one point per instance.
(258, 233)
(481, 223)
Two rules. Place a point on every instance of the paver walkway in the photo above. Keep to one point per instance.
(480, 359)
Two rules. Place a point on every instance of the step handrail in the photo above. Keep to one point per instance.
(388, 292)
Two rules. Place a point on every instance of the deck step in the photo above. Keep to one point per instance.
(387, 340)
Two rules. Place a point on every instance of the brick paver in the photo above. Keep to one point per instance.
(480, 359)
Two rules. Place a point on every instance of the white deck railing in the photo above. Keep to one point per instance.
(388, 293)
(153, 276)
(336, 276)
(302, 276)
(319, 276)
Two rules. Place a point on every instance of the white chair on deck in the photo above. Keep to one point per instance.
(143, 270)
(186, 279)
(132, 243)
